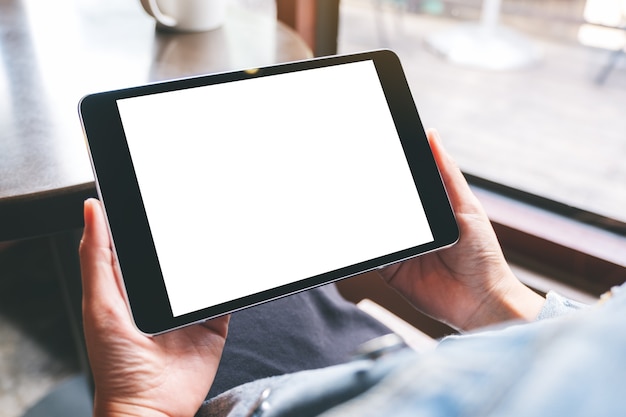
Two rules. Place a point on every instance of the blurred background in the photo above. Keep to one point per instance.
(527, 94)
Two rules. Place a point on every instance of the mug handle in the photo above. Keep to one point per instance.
(152, 8)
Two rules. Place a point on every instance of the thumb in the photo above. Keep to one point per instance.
(102, 293)
(461, 196)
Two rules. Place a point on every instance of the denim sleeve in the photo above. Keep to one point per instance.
(572, 366)
(556, 305)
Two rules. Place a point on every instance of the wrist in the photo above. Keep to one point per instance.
(124, 409)
(509, 301)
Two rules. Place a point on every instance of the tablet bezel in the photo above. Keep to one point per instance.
(131, 236)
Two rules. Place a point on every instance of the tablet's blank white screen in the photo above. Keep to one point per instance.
(253, 184)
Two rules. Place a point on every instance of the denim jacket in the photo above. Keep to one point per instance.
(571, 365)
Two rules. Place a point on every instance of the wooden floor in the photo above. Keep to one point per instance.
(548, 129)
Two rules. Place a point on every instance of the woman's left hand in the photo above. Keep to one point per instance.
(135, 374)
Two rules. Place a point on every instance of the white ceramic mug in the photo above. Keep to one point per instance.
(186, 15)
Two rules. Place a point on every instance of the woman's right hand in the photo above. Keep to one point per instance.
(470, 284)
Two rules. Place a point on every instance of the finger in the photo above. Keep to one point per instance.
(100, 289)
(218, 325)
(461, 196)
(95, 237)
(95, 252)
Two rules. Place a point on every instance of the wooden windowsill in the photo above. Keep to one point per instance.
(578, 255)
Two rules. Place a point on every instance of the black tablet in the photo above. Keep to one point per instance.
(229, 190)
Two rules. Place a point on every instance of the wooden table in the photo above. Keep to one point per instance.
(53, 53)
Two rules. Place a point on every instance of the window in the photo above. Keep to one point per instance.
(541, 135)
(548, 128)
